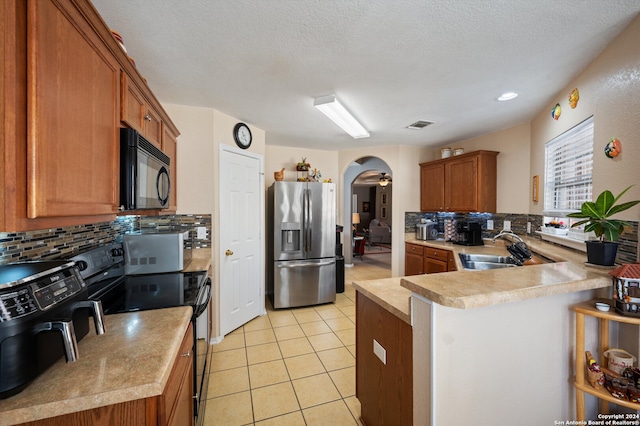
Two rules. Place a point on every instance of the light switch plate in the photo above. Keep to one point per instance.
(379, 351)
(507, 225)
(489, 225)
(202, 233)
(528, 227)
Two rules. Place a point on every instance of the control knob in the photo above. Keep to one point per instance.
(82, 265)
(117, 252)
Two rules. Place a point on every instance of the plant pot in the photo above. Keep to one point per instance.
(601, 253)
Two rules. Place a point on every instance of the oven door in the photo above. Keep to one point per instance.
(202, 328)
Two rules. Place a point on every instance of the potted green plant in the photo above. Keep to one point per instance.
(303, 166)
(597, 217)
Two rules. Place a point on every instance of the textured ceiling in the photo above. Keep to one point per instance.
(390, 62)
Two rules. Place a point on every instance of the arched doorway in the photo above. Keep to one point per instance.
(362, 192)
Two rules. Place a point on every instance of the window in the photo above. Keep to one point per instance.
(568, 170)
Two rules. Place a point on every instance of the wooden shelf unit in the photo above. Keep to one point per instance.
(581, 383)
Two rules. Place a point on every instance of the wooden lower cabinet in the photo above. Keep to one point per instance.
(385, 391)
(413, 259)
(173, 408)
(427, 260)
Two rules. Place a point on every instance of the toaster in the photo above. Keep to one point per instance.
(427, 231)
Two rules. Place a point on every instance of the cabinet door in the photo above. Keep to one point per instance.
(173, 409)
(72, 104)
(461, 185)
(434, 266)
(136, 113)
(451, 263)
(152, 126)
(432, 187)
(182, 414)
(132, 104)
(413, 264)
(170, 147)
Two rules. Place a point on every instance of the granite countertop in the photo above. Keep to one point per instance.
(389, 294)
(126, 363)
(467, 289)
(200, 260)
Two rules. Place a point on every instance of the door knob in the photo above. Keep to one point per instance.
(228, 253)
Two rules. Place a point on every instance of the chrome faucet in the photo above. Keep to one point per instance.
(504, 234)
(519, 251)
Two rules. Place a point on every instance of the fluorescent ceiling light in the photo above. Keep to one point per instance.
(507, 96)
(337, 113)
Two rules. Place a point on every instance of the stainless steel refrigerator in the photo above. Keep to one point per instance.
(302, 270)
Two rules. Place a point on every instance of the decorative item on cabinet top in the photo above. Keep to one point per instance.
(303, 166)
(279, 176)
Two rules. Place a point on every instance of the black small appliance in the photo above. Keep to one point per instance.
(468, 234)
(44, 312)
(144, 173)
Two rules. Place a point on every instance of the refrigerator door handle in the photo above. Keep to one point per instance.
(307, 225)
(294, 264)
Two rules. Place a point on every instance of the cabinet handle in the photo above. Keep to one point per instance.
(147, 117)
(186, 354)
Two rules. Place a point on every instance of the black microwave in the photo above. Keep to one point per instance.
(144, 173)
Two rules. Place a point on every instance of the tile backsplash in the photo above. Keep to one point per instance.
(628, 241)
(54, 243)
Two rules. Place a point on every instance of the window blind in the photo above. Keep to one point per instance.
(568, 170)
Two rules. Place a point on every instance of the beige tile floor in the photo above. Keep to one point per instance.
(292, 366)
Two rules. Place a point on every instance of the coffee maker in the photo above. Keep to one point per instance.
(468, 234)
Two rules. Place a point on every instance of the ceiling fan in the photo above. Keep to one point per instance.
(384, 180)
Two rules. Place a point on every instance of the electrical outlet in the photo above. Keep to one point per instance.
(379, 351)
(528, 227)
(507, 225)
(489, 225)
(202, 233)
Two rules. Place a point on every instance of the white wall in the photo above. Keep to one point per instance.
(279, 157)
(610, 91)
(202, 131)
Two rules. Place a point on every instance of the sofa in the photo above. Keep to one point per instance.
(379, 232)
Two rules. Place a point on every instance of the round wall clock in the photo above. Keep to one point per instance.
(242, 135)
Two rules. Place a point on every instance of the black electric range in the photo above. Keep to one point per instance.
(102, 269)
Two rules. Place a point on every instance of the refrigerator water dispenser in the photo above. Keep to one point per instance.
(290, 241)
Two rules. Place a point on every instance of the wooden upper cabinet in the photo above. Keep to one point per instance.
(432, 187)
(72, 105)
(61, 84)
(461, 191)
(464, 183)
(137, 113)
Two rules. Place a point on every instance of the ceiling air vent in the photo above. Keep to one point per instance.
(419, 124)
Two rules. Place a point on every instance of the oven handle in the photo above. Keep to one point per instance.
(201, 307)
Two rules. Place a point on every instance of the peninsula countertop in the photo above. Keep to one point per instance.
(132, 360)
(465, 289)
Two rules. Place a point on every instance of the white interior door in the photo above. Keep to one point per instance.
(241, 246)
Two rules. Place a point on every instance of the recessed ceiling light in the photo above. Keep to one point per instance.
(507, 96)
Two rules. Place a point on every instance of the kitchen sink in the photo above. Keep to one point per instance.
(486, 261)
